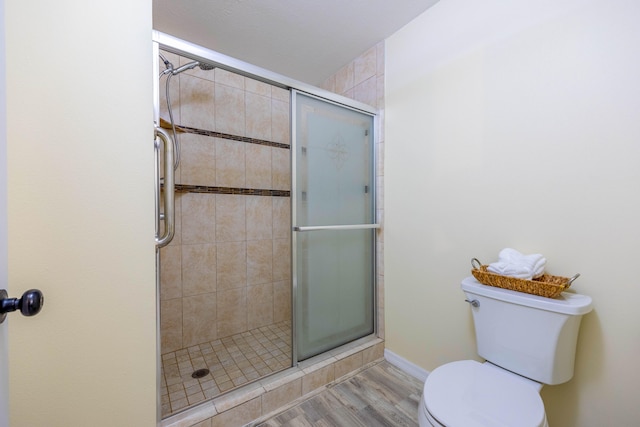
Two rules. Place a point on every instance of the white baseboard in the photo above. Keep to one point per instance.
(405, 366)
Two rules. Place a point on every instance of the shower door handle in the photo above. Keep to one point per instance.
(335, 227)
(163, 140)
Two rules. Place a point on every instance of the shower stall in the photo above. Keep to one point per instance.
(266, 222)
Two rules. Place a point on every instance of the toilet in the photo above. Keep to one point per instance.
(527, 341)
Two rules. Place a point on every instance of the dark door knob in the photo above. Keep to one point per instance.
(29, 305)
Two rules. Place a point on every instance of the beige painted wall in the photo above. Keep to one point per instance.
(517, 124)
(80, 212)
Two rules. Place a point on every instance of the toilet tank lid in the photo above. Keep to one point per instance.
(566, 303)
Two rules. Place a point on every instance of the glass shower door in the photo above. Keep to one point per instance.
(334, 217)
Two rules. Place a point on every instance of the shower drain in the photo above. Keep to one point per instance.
(200, 373)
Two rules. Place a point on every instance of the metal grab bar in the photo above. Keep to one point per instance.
(168, 216)
(336, 227)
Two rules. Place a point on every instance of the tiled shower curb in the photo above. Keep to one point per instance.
(258, 400)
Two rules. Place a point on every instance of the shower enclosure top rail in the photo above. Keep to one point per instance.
(219, 60)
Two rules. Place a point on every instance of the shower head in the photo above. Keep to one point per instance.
(192, 65)
(173, 71)
(205, 67)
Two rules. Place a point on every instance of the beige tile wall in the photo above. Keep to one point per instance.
(363, 80)
(228, 268)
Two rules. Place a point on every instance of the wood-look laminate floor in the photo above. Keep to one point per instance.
(381, 395)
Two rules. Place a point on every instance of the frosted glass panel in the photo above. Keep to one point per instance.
(333, 186)
(334, 164)
(335, 289)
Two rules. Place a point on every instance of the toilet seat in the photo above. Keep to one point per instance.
(471, 394)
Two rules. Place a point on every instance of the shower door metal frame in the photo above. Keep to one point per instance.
(156, 119)
(181, 47)
(298, 229)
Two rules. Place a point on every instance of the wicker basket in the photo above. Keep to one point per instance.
(546, 286)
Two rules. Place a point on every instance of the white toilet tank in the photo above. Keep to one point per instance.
(527, 334)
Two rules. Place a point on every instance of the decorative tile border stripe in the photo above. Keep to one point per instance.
(183, 188)
(233, 137)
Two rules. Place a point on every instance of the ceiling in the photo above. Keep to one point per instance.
(308, 40)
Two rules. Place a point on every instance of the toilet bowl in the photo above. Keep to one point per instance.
(526, 340)
(467, 393)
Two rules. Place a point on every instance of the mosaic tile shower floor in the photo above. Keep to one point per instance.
(232, 362)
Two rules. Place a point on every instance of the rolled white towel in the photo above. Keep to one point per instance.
(511, 255)
(538, 267)
(508, 254)
(536, 264)
(510, 270)
(515, 264)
